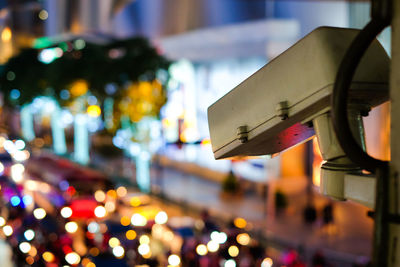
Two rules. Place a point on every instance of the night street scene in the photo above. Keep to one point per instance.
(199, 133)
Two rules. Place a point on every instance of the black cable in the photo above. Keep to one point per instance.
(340, 94)
(350, 146)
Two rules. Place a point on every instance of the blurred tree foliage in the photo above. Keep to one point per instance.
(119, 63)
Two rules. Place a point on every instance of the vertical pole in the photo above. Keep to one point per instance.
(143, 171)
(59, 143)
(394, 229)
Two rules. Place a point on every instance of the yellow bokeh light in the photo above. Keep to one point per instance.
(201, 249)
(240, 222)
(243, 239)
(100, 196)
(212, 246)
(121, 191)
(90, 264)
(79, 88)
(48, 256)
(113, 242)
(130, 234)
(125, 221)
(43, 14)
(94, 111)
(233, 251)
(112, 193)
(6, 34)
(144, 239)
(110, 206)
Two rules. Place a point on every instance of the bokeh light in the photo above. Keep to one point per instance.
(33, 251)
(174, 260)
(15, 201)
(114, 242)
(212, 246)
(66, 212)
(118, 251)
(143, 249)
(94, 111)
(27, 200)
(19, 144)
(121, 191)
(267, 262)
(100, 196)
(131, 234)
(110, 206)
(100, 212)
(6, 34)
(125, 221)
(138, 220)
(29, 234)
(144, 239)
(201, 250)
(93, 227)
(39, 213)
(17, 171)
(161, 217)
(43, 14)
(240, 223)
(230, 263)
(243, 239)
(48, 256)
(7, 230)
(30, 260)
(233, 251)
(94, 251)
(71, 227)
(24, 247)
(73, 258)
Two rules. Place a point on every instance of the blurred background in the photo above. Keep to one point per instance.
(105, 156)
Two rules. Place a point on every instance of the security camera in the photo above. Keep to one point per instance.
(287, 102)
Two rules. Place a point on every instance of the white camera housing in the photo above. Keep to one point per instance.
(267, 113)
(287, 102)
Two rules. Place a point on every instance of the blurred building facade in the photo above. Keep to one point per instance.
(216, 44)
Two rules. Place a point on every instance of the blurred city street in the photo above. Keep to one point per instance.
(346, 242)
(199, 133)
